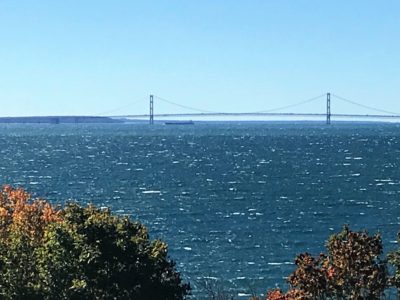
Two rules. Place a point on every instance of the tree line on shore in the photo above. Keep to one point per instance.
(84, 252)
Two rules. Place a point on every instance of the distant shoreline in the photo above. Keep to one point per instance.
(59, 119)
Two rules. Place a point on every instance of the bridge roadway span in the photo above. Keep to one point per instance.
(216, 114)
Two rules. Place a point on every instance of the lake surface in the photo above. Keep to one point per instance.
(234, 201)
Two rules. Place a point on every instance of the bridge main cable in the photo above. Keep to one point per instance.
(366, 106)
(208, 112)
(185, 106)
(290, 105)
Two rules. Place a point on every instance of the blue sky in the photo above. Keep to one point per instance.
(92, 57)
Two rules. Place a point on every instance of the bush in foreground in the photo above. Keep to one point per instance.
(394, 259)
(79, 253)
(352, 269)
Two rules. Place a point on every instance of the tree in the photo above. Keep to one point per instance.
(357, 270)
(352, 269)
(394, 259)
(79, 252)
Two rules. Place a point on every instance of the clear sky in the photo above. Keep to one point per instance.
(94, 56)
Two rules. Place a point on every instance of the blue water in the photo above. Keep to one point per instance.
(234, 201)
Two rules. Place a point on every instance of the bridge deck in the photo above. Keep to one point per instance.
(371, 116)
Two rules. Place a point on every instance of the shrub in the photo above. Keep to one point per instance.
(79, 253)
(394, 259)
(357, 270)
(352, 269)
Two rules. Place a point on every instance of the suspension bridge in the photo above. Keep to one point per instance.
(327, 115)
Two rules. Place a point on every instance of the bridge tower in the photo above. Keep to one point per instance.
(328, 108)
(151, 110)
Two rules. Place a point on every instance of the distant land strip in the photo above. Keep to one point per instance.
(59, 119)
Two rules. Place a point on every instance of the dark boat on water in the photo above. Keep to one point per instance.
(179, 122)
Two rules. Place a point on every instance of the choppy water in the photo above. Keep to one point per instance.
(233, 201)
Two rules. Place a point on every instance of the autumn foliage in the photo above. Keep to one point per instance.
(79, 252)
(352, 269)
(394, 259)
